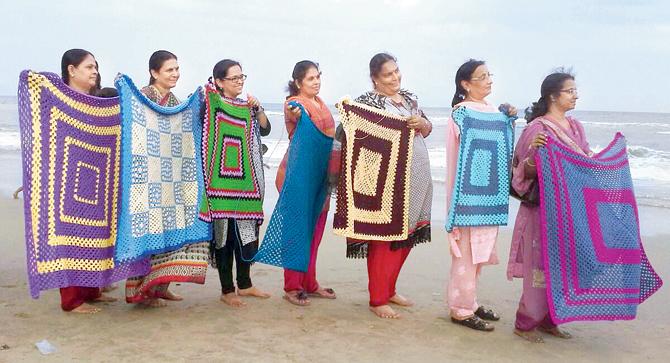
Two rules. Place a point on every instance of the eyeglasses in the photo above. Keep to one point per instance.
(570, 91)
(239, 78)
(482, 77)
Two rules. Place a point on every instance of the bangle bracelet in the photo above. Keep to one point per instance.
(529, 163)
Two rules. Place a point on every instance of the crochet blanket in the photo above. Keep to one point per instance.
(373, 190)
(288, 238)
(594, 262)
(231, 181)
(71, 167)
(161, 174)
(481, 187)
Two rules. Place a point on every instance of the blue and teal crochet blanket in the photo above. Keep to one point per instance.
(162, 178)
(288, 237)
(481, 188)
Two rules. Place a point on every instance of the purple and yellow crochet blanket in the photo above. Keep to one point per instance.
(71, 177)
(594, 262)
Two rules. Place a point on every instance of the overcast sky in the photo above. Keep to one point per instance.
(619, 50)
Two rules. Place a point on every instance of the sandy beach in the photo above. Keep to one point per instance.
(204, 329)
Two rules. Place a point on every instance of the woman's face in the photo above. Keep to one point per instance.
(311, 83)
(168, 75)
(387, 81)
(479, 85)
(233, 83)
(567, 96)
(85, 75)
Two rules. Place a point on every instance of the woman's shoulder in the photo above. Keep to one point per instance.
(371, 98)
(151, 93)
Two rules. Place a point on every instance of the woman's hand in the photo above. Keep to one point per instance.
(294, 112)
(539, 140)
(508, 110)
(253, 101)
(417, 122)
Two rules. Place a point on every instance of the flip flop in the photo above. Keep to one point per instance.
(300, 299)
(328, 290)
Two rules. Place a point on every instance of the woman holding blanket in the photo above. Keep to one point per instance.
(547, 117)
(471, 247)
(188, 263)
(233, 237)
(79, 70)
(304, 88)
(385, 259)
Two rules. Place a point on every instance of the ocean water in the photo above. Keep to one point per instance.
(647, 134)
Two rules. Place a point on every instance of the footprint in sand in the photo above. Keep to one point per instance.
(22, 315)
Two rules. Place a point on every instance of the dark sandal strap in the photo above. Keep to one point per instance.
(475, 323)
(302, 296)
(487, 314)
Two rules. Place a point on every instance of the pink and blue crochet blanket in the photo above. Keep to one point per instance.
(162, 174)
(595, 264)
(71, 148)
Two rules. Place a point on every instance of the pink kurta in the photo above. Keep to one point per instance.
(471, 247)
(525, 259)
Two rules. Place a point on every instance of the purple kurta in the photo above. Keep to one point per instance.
(525, 259)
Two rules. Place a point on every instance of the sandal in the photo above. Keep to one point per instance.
(474, 322)
(331, 294)
(299, 299)
(487, 314)
(555, 331)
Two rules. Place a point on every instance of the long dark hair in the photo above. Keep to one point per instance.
(377, 62)
(552, 85)
(72, 57)
(157, 60)
(299, 71)
(464, 73)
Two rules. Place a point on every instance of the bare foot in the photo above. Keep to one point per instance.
(531, 335)
(169, 295)
(104, 298)
(85, 309)
(233, 300)
(297, 298)
(154, 303)
(109, 288)
(555, 331)
(384, 312)
(326, 293)
(254, 292)
(401, 300)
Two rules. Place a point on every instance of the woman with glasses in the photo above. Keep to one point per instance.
(233, 238)
(547, 116)
(470, 247)
(304, 88)
(188, 263)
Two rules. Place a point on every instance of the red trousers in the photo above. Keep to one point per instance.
(383, 269)
(306, 281)
(73, 296)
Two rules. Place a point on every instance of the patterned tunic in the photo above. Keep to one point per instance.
(421, 183)
(186, 264)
